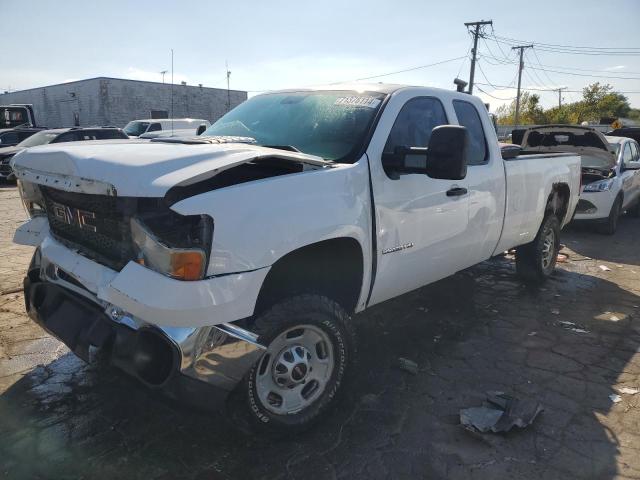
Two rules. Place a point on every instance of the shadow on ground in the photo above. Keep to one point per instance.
(586, 241)
(476, 331)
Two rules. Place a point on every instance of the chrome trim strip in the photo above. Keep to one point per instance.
(240, 333)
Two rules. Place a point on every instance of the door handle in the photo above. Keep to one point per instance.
(456, 191)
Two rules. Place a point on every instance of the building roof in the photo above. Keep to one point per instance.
(120, 80)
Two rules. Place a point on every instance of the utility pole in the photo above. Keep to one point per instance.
(172, 91)
(477, 32)
(520, 68)
(162, 73)
(560, 96)
(228, 91)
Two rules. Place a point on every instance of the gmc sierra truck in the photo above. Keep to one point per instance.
(233, 261)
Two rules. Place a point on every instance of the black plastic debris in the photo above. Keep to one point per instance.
(500, 413)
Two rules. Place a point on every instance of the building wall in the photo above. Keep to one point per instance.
(112, 101)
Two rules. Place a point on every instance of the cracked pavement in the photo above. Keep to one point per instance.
(476, 331)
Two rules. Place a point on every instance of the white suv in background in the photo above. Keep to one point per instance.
(167, 127)
(611, 186)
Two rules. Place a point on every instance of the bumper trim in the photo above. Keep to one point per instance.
(180, 361)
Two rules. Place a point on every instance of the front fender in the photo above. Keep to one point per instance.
(258, 222)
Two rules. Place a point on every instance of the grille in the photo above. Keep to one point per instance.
(107, 238)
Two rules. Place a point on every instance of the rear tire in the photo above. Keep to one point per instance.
(310, 352)
(611, 225)
(536, 261)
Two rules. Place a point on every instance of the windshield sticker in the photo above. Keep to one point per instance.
(367, 102)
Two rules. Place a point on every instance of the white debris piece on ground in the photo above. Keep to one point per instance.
(628, 390)
(555, 311)
(532, 334)
(572, 326)
(604, 268)
(615, 398)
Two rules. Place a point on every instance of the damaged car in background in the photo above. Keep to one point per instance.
(610, 170)
(232, 262)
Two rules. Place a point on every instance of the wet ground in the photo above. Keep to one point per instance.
(477, 331)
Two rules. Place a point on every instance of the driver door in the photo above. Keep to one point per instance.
(421, 221)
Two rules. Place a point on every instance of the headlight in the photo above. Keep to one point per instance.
(31, 199)
(173, 252)
(599, 186)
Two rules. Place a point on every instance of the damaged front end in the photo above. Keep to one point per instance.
(183, 361)
(117, 270)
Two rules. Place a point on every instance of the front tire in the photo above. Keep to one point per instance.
(536, 261)
(310, 351)
(611, 225)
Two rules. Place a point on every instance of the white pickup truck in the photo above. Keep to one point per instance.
(235, 259)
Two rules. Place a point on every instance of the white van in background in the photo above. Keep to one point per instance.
(176, 127)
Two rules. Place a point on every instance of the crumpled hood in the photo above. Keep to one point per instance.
(134, 168)
(569, 139)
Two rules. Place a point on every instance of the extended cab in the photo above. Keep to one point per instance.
(235, 259)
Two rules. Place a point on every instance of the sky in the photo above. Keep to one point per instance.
(286, 44)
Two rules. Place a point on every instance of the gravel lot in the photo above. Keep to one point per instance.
(477, 331)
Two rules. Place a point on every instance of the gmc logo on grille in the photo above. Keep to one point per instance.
(74, 216)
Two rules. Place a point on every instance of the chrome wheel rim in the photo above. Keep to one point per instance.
(548, 248)
(294, 370)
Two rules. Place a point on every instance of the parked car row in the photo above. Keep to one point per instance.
(610, 168)
(57, 135)
(14, 140)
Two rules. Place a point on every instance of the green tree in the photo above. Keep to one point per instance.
(531, 112)
(598, 101)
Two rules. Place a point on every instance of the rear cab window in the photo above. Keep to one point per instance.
(469, 117)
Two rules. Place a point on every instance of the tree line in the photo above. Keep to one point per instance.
(599, 101)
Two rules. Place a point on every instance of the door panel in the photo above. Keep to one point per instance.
(420, 228)
(485, 180)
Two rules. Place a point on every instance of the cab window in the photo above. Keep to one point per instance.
(468, 117)
(154, 127)
(413, 126)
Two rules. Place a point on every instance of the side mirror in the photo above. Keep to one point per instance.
(201, 129)
(632, 166)
(447, 153)
(445, 158)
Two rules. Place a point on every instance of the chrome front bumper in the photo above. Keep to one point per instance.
(216, 356)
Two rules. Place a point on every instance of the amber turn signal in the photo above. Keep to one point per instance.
(187, 265)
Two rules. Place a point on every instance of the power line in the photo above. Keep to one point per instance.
(554, 69)
(503, 87)
(541, 47)
(493, 96)
(411, 69)
(565, 46)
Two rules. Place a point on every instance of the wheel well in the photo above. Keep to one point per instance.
(332, 267)
(558, 201)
